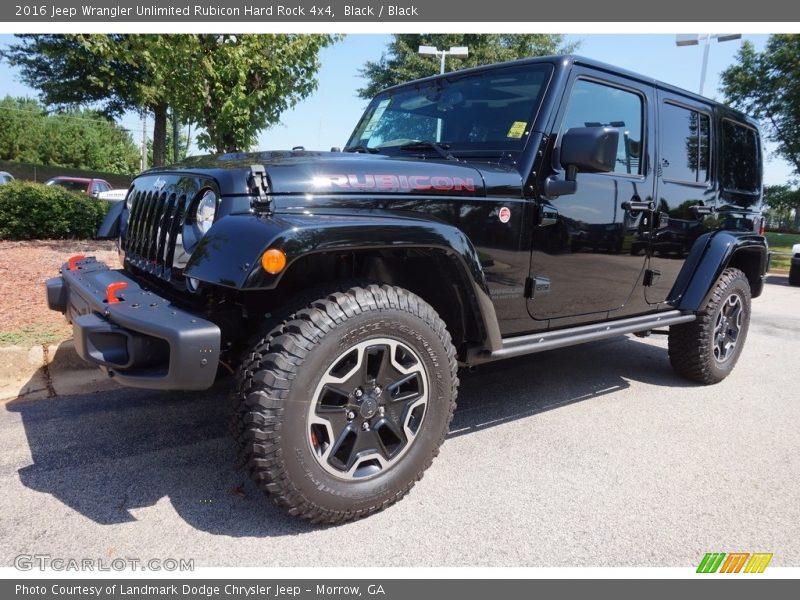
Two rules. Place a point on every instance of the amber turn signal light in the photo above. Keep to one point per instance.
(273, 261)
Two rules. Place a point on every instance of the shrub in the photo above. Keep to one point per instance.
(35, 211)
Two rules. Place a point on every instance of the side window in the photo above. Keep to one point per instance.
(684, 144)
(741, 168)
(593, 104)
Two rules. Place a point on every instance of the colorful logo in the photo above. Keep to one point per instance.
(734, 562)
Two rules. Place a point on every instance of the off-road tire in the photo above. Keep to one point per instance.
(276, 387)
(794, 275)
(692, 345)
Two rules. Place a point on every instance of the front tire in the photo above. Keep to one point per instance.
(344, 404)
(706, 350)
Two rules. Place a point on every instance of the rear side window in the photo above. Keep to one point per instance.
(741, 164)
(684, 144)
(594, 104)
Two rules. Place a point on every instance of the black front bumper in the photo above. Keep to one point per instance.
(141, 341)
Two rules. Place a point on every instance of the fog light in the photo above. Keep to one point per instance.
(273, 261)
(192, 283)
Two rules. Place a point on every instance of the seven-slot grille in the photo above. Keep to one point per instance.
(154, 228)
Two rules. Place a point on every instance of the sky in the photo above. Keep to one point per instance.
(328, 116)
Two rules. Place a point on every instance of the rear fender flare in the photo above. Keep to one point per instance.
(711, 254)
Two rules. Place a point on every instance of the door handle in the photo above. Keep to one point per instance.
(548, 215)
(635, 205)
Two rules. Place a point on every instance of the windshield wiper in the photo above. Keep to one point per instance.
(440, 149)
(362, 148)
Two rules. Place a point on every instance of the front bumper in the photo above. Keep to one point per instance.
(141, 341)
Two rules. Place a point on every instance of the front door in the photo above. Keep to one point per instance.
(588, 257)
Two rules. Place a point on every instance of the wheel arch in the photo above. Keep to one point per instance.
(709, 257)
(437, 275)
(434, 260)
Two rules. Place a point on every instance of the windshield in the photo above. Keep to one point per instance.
(487, 112)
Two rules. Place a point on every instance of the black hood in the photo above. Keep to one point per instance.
(352, 173)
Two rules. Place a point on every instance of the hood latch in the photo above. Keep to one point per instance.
(259, 185)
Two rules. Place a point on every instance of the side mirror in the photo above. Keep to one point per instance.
(586, 150)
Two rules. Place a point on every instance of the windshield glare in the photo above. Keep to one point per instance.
(492, 111)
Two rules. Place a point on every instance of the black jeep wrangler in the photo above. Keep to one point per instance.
(474, 216)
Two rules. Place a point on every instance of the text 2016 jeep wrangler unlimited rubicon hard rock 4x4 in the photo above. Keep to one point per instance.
(474, 216)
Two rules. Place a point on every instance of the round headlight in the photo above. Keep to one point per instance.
(206, 208)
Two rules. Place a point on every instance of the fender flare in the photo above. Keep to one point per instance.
(230, 253)
(109, 228)
(711, 254)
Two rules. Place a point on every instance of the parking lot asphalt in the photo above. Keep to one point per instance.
(597, 455)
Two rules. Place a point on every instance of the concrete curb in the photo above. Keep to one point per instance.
(46, 372)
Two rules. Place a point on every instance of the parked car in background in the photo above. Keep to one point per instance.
(116, 195)
(92, 187)
(6, 177)
(794, 270)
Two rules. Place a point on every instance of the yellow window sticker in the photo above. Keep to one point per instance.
(517, 129)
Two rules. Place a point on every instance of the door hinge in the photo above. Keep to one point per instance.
(536, 286)
(650, 277)
(259, 185)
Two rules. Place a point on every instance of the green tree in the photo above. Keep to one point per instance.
(81, 139)
(784, 204)
(767, 85)
(234, 86)
(113, 72)
(21, 129)
(401, 62)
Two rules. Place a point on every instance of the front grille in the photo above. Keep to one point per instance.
(154, 229)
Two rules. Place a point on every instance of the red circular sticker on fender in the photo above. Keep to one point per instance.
(505, 214)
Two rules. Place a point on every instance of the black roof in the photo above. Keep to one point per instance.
(564, 61)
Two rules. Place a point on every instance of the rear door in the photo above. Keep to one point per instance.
(585, 263)
(684, 187)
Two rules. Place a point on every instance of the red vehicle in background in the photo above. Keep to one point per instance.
(92, 187)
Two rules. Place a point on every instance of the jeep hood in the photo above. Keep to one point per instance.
(304, 172)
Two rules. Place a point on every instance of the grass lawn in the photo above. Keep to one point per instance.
(782, 243)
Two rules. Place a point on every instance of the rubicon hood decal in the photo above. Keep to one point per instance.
(359, 174)
(386, 182)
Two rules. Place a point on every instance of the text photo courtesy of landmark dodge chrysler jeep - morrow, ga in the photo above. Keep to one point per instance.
(474, 216)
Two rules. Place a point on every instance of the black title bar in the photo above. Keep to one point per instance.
(410, 11)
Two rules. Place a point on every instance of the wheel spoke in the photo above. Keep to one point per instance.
(342, 453)
(405, 389)
(391, 437)
(337, 417)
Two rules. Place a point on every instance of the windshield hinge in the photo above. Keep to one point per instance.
(259, 185)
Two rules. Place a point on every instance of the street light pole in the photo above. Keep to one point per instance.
(434, 51)
(694, 39)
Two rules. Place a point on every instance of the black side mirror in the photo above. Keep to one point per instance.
(585, 150)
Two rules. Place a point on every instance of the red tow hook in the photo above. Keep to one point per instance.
(72, 263)
(112, 289)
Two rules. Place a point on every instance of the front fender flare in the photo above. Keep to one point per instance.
(229, 254)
